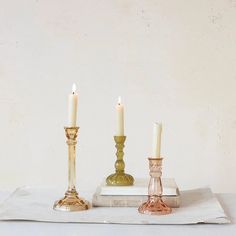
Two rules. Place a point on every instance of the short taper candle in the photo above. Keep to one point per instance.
(156, 145)
(72, 107)
(120, 118)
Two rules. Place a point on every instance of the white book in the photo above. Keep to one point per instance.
(129, 201)
(140, 187)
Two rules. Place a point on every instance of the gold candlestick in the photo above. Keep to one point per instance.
(71, 200)
(120, 178)
(154, 204)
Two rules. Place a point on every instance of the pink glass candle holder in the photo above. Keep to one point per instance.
(155, 205)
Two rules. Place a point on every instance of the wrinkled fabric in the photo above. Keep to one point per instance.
(35, 204)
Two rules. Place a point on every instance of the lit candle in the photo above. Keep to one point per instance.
(72, 107)
(156, 145)
(120, 118)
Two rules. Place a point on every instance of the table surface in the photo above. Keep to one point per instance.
(228, 201)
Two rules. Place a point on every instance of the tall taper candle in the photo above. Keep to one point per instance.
(156, 145)
(72, 107)
(120, 118)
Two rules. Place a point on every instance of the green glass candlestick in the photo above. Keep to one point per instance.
(120, 178)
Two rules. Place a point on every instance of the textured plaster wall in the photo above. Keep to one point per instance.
(171, 61)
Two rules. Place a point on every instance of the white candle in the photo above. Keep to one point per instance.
(72, 107)
(156, 145)
(120, 118)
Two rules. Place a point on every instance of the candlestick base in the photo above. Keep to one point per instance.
(120, 179)
(154, 206)
(71, 202)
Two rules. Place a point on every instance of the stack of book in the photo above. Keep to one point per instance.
(134, 196)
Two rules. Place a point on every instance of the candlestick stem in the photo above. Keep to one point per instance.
(71, 166)
(71, 201)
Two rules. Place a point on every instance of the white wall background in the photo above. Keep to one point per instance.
(171, 61)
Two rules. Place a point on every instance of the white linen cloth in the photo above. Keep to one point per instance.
(35, 204)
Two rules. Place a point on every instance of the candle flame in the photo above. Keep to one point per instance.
(119, 100)
(73, 88)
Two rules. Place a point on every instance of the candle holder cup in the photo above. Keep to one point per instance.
(120, 178)
(155, 204)
(71, 201)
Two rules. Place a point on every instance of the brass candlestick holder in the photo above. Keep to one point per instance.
(71, 200)
(120, 178)
(155, 204)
